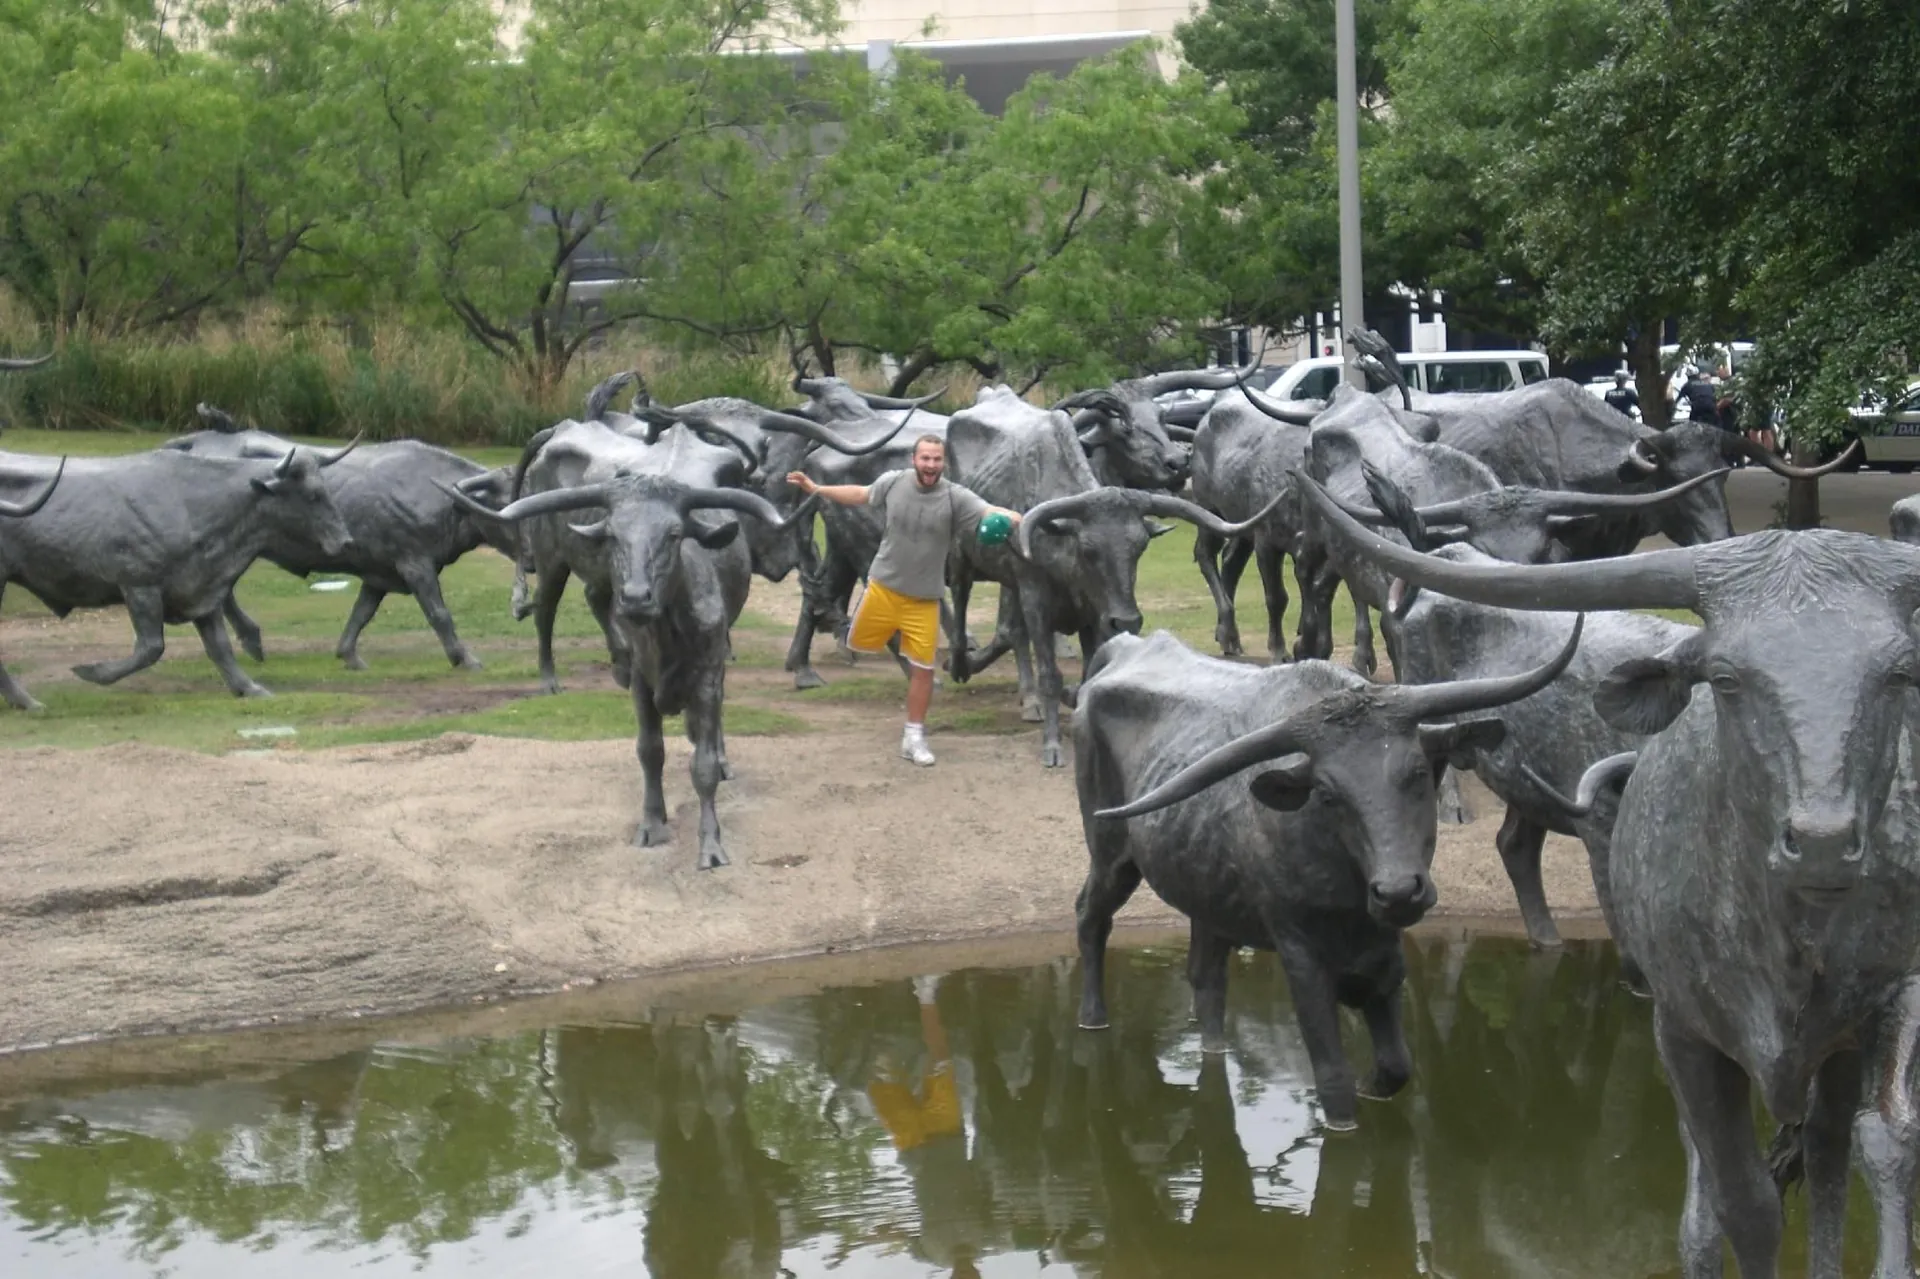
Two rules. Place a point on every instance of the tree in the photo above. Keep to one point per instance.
(1052, 242)
(1812, 188)
(1473, 85)
(1278, 259)
(116, 163)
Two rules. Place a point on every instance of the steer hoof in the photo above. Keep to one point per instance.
(93, 673)
(352, 661)
(712, 855)
(252, 648)
(251, 690)
(653, 834)
(1229, 642)
(1050, 755)
(1330, 1124)
(1030, 710)
(805, 678)
(468, 662)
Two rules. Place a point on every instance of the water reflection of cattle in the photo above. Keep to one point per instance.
(1762, 878)
(1323, 857)
(1526, 1180)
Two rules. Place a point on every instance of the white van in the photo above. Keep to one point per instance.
(1436, 372)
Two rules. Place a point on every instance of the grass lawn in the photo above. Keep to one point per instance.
(410, 692)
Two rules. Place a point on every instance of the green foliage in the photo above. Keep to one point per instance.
(403, 383)
(1050, 243)
(1472, 82)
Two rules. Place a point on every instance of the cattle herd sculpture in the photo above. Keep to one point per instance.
(1747, 789)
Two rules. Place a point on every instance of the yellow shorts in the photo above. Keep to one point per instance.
(882, 613)
(913, 1121)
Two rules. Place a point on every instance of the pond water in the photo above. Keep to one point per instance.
(859, 1132)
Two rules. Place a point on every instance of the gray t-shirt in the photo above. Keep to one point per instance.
(920, 525)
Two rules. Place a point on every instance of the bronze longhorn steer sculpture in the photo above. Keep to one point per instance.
(1765, 861)
(661, 553)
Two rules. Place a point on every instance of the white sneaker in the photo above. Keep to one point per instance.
(913, 746)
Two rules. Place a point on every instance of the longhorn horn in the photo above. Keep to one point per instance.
(1199, 379)
(1657, 579)
(826, 436)
(1598, 776)
(1564, 502)
(547, 503)
(15, 366)
(706, 499)
(1278, 411)
(1257, 747)
(20, 510)
(1180, 508)
(900, 402)
(1054, 508)
(1772, 462)
(327, 457)
(1420, 703)
(601, 396)
(1642, 455)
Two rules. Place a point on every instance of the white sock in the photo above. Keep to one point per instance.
(916, 730)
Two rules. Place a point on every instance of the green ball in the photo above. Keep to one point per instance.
(995, 529)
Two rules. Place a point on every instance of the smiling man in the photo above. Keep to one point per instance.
(922, 512)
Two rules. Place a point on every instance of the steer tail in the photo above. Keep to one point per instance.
(1787, 1158)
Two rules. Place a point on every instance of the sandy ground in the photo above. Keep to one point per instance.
(145, 890)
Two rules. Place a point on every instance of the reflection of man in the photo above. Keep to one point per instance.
(929, 1132)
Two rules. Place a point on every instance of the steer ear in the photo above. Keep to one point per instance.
(1287, 785)
(1454, 744)
(1645, 694)
(269, 485)
(1156, 529)
(715, 537)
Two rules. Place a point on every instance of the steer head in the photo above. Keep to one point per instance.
(1806, 654)
(772, 444)
(1089, 546)
(1361, 764)
(832, 399)
(1139, 449)
(299, 503)
(647, 522)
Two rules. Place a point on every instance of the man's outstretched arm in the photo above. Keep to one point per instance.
(839, 494)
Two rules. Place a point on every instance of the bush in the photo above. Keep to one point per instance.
(397, 383)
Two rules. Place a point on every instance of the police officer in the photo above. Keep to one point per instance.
(1622, 398)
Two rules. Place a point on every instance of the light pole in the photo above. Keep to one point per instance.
(1347, 142)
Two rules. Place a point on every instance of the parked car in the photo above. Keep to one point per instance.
(1891, 432)
(1437, 372)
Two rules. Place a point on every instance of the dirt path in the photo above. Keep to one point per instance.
(145, 890)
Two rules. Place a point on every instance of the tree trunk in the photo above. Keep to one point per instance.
(1649, 379)
(1803, 503)
(919, 362)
